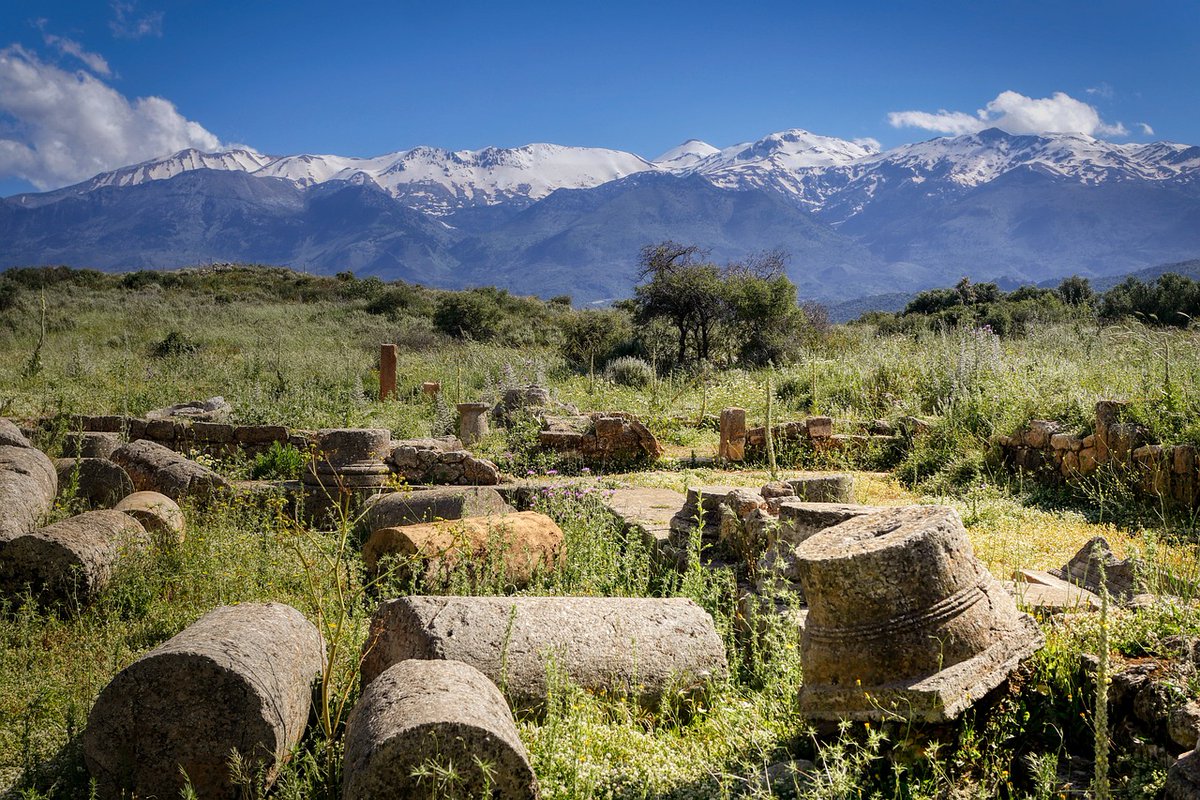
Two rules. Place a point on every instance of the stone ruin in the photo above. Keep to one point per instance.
(739, 442)
(1044, 449)
(903, 621)
(600, 436)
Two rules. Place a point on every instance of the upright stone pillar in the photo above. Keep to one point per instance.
(431, 388)
(472, 422)
(733, 434)
(387, 370)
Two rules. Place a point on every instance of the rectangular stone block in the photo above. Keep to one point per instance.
(388, 354)
(819, 427)
(103, 424)
(162, 430)
(733, 434)
(215, 432)
(260, 434)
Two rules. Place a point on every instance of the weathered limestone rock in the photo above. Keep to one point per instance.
(514, 546)
(903, 620)
(429, 505)
(90, 444)
(472, 422)
(28, 486)
(733, 435)
(159, 515)
(156, 468)
(102, 483)
(1183, 778)
(1040, 431)
(11, 436)
(445, 713)
(818, 427)
(799, 520)
(70, 561)
(643, 646)
(648, 512)
(442, 461)
(348, 467)
(600, 435)
(214, 409)
(836, 488)
(238, 679)
(1122, 577)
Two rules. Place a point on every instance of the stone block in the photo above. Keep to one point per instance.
(260, 434)
(444, 714)
(904, 622)
(393, 509)
(643, 647)
(213, 432)
(732, 446)
(836, 488)
(90, 444)
(819, 427)
(238, 680)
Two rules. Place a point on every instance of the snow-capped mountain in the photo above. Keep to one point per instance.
(570, 219)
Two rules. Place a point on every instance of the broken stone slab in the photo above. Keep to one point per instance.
(513, 547)
(239, 679)
(644, 647)
(28, 486)
(836, 488)
(102, 483)
(11, 436)
(1052, 596)
(444, 715)
(429, 505)
(1122, 577)
(214, 409)
(156, 468)
(71, 561)
(904, 621)
(160, 515)
(90, 444)
(647, 512)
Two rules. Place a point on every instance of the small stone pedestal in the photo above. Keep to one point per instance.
(904, 622)
(472, 422)
(348, 466)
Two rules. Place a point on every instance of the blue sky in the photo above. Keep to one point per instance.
(364, 78)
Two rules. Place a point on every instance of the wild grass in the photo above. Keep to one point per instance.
(312, 364)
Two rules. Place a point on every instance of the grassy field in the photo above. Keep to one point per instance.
(311, 363)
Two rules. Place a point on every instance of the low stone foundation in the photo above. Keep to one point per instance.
(1045, 450)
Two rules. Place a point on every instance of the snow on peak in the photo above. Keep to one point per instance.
(685, 155)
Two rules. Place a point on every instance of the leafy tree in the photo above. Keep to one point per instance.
(474, 315)
(677, 286)
(1076, 291)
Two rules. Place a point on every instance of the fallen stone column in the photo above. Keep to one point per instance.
(159, 515)
(156, 468)
(70, 561)
(102, 483)
(430, 505)
(424, 713)
(514, 546)
(904, 621)
(641, 646)
(238, 679)
(28, 485)
(11, 436)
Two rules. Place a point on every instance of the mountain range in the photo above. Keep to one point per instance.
(549, 219)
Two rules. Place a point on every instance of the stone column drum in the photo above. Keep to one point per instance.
(642, 646)
(442, 714)
(472, 422)
(733, 435)
(513, 547)
(238, 679)
(28, 485)
(348, 463)
(903, 620)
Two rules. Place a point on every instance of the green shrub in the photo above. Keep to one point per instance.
(175, 344)
(629, 371)
(279, 462)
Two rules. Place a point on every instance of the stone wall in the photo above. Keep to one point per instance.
(818, 433)
(1044, 449)
(599, 436)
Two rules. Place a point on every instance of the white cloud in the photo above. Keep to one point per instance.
(1015, 113)
(870, 143)
(1146, 129)
(93, 61)
(128, 24)
(64, 127)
